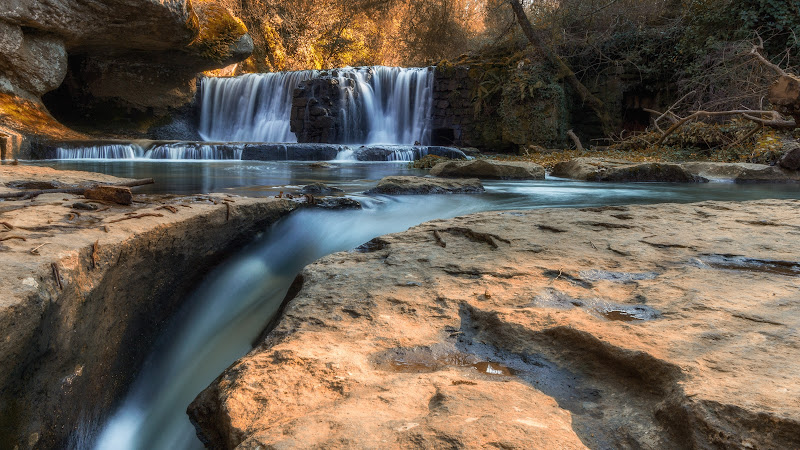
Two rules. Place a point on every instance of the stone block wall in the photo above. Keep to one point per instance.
(481, 106)
(316, 107)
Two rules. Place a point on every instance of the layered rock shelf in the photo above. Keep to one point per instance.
(649, 327)
(88, 286)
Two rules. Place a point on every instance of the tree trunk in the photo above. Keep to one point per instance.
(587, 97)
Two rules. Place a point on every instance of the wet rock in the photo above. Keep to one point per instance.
(741, 172)
(420, 345)
(408, 185)
(337, 203)
(404, 152)
(489, 169)
(597, 169)
(320, 189)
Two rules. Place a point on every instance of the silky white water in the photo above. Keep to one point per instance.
(249, 108)
(384, 105)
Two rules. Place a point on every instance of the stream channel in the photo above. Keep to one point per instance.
(220, 320)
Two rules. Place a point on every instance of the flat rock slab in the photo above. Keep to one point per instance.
(13, 178)
(488, 169)
(408, 185)
(741, 172)
(598, 169)
(86, 287)
(607, 327)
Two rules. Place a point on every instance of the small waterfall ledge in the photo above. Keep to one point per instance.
(369, 105)
(205, 151)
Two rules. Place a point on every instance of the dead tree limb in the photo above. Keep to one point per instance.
(575, 140)
(776, 120)
(583, 92)
(756, 52)
(31, 193)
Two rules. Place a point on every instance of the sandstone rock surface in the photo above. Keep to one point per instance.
(597, 169)
(604, 327)
(409, 185)
(741, 172)
(114, 58)
(488, 169)
(84, 294)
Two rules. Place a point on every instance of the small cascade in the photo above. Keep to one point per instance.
(375, 105)
(196, 152)
(407, 154)
(249, 108)
(115, 151)
(346, 154)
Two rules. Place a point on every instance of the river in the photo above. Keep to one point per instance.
(219, 322)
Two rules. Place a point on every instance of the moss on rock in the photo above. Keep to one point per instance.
(217, 29)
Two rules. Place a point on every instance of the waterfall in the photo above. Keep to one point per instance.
(191, 151)
(396, 103)
(382, 105)
(249, 108)
(115, 151)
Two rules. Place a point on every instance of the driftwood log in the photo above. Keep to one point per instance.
(80, 190)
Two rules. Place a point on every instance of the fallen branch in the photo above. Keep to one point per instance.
(756, 51)
(575, 140)
(12, 237)
(35, 250)
(777, 120)
(34, 193)
(439, 241)
(476, 236)
(56, 275)
(747, 136)
(94, 253)
(136, 216)
(169, 208)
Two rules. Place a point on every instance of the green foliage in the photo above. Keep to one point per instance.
(709, 22)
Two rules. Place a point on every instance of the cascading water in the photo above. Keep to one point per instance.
(249, 108)
(116, 151)
(395, 102)
(384, 105)
(204, 152)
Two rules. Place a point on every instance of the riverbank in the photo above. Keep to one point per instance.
(627, 326)
(88, 286)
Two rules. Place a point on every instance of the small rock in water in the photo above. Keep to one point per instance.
(337, 203)
(320, 165)
(320, 189)
(408, 185)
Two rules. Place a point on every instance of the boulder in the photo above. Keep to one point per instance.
(408, 185)
(492, 331)
(784, 94)
(791, 158)
(597, 169)
(741, 172)
(489, 169)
